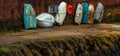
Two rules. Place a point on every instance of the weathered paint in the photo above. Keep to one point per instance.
(29, 17)
(91, 14)
(78, 14)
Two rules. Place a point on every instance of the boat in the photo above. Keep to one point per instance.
(91, 14)
(85, 12)
(50, 9)
(29, 17)
(99, 13)
(45, 20)
(55, 8)
(69, 9)
(60, 16)
(78, 14)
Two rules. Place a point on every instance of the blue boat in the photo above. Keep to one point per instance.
(29, 17)
(55, 8)
(85, 13)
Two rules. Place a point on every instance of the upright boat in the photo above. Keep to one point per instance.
(69, 9)
(78, 14)
(85, 12)
(50, 9)
(29, 17)
(91, 14)
(55, 8)
(60, 16)
(99, 13)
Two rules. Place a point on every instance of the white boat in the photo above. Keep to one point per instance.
(60, 16)
(45, 20)
(78, 15)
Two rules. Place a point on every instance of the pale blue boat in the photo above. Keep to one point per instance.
(29, 17)
(85, 13)
(99, 13)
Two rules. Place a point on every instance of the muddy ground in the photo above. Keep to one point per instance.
(59, 31)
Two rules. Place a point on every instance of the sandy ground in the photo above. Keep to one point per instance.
(58, 31)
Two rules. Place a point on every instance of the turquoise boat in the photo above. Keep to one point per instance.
(29, 17)
(85, 13)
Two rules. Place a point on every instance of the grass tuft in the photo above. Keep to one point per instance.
(4, 50)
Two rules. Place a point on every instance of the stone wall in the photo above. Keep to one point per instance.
(97, 45)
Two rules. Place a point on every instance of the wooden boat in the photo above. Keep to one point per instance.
(29, 16)
(55, 8)
(60, 16)
(85, 12)
(78, 15)
(91, 14)
(99, 13)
